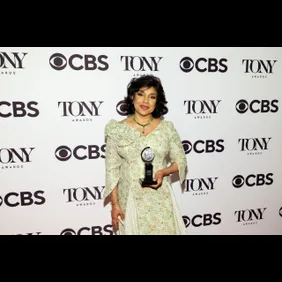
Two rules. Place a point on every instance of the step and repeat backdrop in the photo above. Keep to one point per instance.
(56, 101)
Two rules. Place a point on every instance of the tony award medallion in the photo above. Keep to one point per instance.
(147, 155)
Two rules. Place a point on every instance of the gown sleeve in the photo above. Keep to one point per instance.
(177, 153)
(112, 162)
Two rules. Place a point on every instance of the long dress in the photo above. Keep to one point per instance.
(147, 211)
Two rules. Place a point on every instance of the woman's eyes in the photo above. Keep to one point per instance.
(140, 95)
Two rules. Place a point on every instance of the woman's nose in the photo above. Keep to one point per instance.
(146, 99)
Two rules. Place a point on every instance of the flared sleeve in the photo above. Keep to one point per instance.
(112, 163)
(176, 152)
(117, 135)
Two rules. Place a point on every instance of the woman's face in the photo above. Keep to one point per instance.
(145, 100)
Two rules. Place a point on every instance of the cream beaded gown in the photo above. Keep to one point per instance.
(147, 211)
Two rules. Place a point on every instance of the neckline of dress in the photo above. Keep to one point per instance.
(156, 128)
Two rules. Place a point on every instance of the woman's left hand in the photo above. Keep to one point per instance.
(159, 178)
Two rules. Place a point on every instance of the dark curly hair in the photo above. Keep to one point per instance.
(146, 81)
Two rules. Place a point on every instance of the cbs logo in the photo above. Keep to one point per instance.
(93, 230)
(202, 219)
(187, 64)
(256, 106)
(121, 108)
(203, 146)
(80, 152)
(59, 61)
(252, 180)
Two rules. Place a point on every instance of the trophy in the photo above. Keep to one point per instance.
(147, 156)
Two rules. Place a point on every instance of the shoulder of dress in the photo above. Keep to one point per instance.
(170, 127)
(111, 125)
(121, 133)
(168, 123)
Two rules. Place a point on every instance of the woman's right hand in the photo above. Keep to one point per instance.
(116, 212)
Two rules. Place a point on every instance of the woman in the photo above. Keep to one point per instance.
(152, 209)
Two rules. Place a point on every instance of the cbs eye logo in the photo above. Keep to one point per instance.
(238, 181)
(186, 64)
(186, 220)
(68, 231)
(187, 146)
(242, 106)
(280, 212)
(63, 153)
(121, 108)
(58, 61)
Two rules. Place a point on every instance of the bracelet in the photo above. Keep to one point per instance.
(114, 203)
